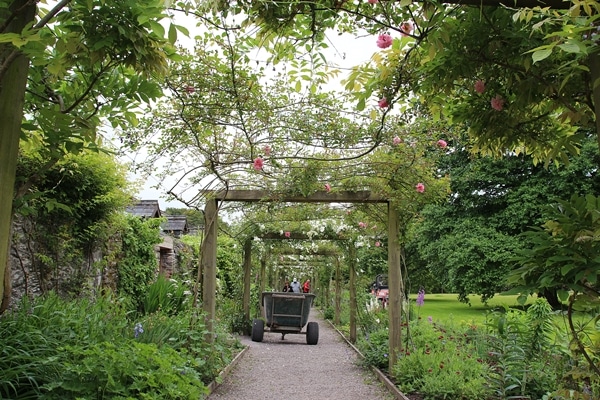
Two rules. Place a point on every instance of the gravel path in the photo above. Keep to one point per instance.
(291, 369)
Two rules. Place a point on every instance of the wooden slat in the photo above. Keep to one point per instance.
(363, 196)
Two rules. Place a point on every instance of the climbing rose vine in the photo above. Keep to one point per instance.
(258, 163)
(384, 41)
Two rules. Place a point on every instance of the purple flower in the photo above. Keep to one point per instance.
(138, 329)
(421, 297)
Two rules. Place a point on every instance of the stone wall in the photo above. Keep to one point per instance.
(33, 272)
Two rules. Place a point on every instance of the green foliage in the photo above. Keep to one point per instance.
(469, 242)
(522, 358)
(443, 363)
(375, 348)
(137, 265)
(231, 314)
(329, 313)
(92, 50)
(185, 333)
(55, 349)
(545, 94)
(69, 211)
(124, 370)
(229, 267)
(466, 256)
(510, 352)
(373, 323)
(564, 253)
(539, 319)
(166, 295)
(78, 194)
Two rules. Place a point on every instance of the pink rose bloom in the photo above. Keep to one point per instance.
(377, 244)
(479, 86)
(383, 103)
(258, 163)
(396, 140)
(407, 28)
(420, 187)
(497, 103)
(287, 234)
(384, 41)
(442, 143)
(327, 187)
(267, 150)
(362, 225)
(373, 1)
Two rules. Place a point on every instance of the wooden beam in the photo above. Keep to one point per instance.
(554, 4)
(363, 196)
(298, 236)
(303, 252)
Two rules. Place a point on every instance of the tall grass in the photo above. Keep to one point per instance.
(51, 348)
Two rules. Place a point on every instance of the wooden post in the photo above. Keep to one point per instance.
(12, 96)
(209, 266)
(352, 266)
(395, 286)
(247, 274)
(338, 292)
(262, 275)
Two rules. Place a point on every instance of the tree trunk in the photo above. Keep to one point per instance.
(14, 69)
(552, 298)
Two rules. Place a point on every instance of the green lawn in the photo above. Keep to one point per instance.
(446, 307)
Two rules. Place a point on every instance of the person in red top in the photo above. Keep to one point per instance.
(306, 286)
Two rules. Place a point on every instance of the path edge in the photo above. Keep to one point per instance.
(380, 375)
(223, 374)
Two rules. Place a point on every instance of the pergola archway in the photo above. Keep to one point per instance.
(209, 248)
(318, 253)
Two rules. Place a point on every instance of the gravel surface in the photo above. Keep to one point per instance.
(291, 369)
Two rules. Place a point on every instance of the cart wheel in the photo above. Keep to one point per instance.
(258, 330)
(312, 333)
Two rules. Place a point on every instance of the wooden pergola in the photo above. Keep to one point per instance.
(209, 252)
(320, 252)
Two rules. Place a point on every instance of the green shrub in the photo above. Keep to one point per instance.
(166, 295)
(375, 348)
(442, 363)
(124, 370)
(52, 348)
(523, 359)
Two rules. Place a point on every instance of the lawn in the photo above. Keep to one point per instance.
(446, 307)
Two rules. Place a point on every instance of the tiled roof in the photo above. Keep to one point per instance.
(145, 209)
(175, 223)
